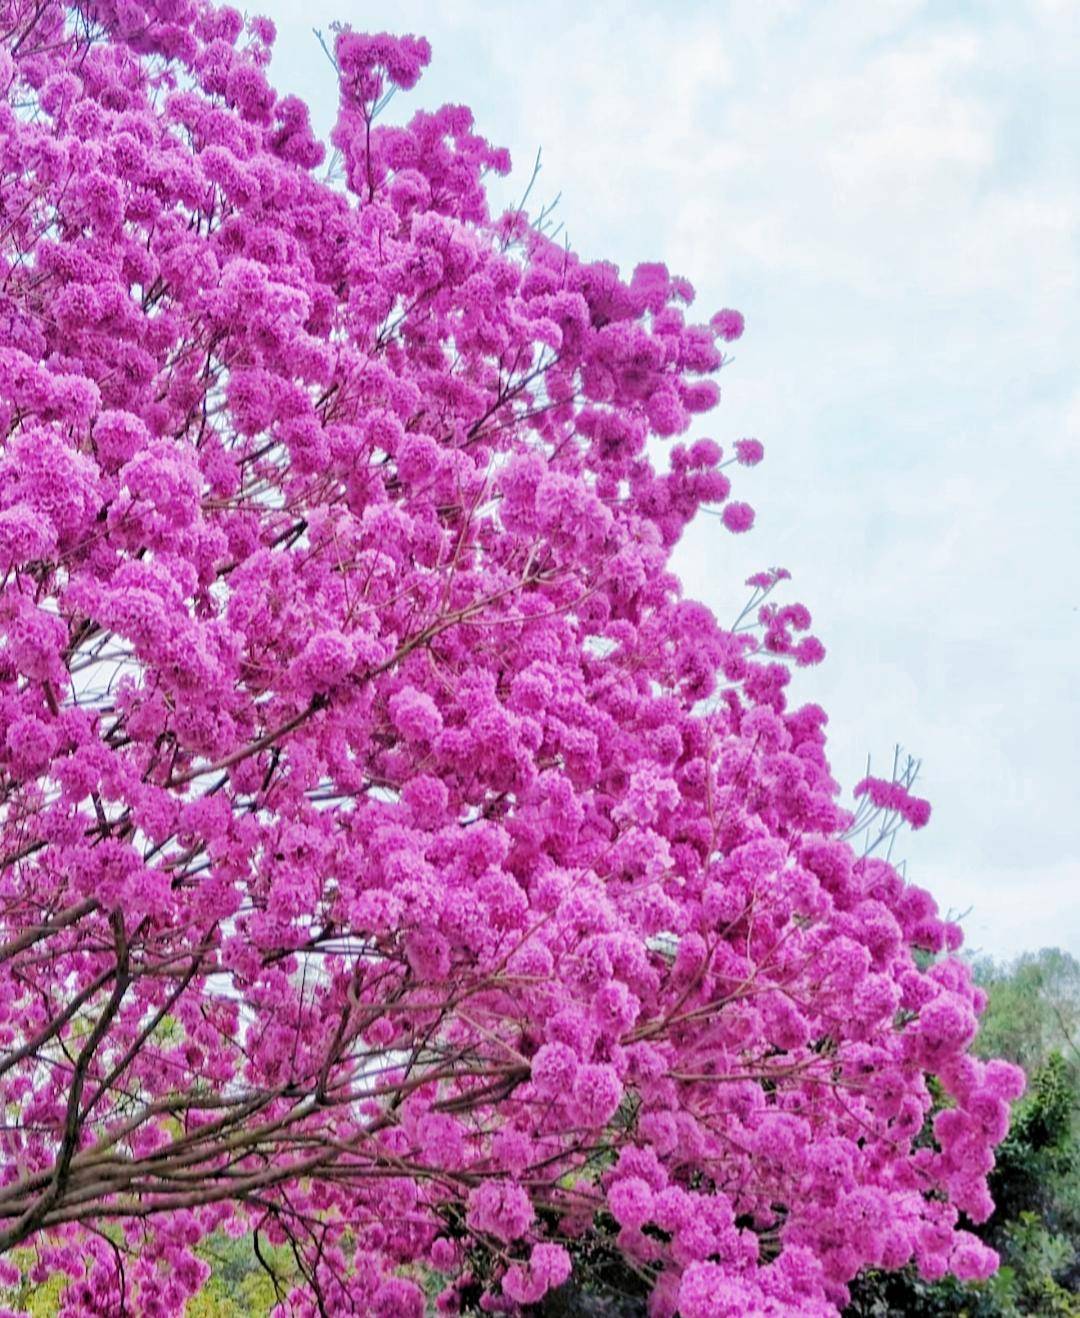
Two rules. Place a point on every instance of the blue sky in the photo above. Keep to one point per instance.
(890, 193)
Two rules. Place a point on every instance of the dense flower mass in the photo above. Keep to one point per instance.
(397, 869)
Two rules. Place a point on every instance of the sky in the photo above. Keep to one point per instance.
(890, 193)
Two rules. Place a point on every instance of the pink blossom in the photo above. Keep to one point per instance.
(554, 1068)
(398, 1298)
(501, 1209)
(597, 1093)
(631, 1202)
(738, 517)
(894, 796)
(548, 1268)
(728, 324)
(709, 1291)
(749, 451)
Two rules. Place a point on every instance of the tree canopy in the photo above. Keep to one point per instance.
(399, 875)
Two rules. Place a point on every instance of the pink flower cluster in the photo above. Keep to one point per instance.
(397, 868)
(893, 796)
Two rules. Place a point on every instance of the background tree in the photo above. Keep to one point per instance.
(399, 874)
(1033, 1008)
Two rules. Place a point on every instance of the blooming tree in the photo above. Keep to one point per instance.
(397, 870)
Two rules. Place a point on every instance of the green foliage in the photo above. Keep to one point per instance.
(1039, 1157)
(240, 1286)
(1033, 1008)
(41, 1301)
(884, 1294)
